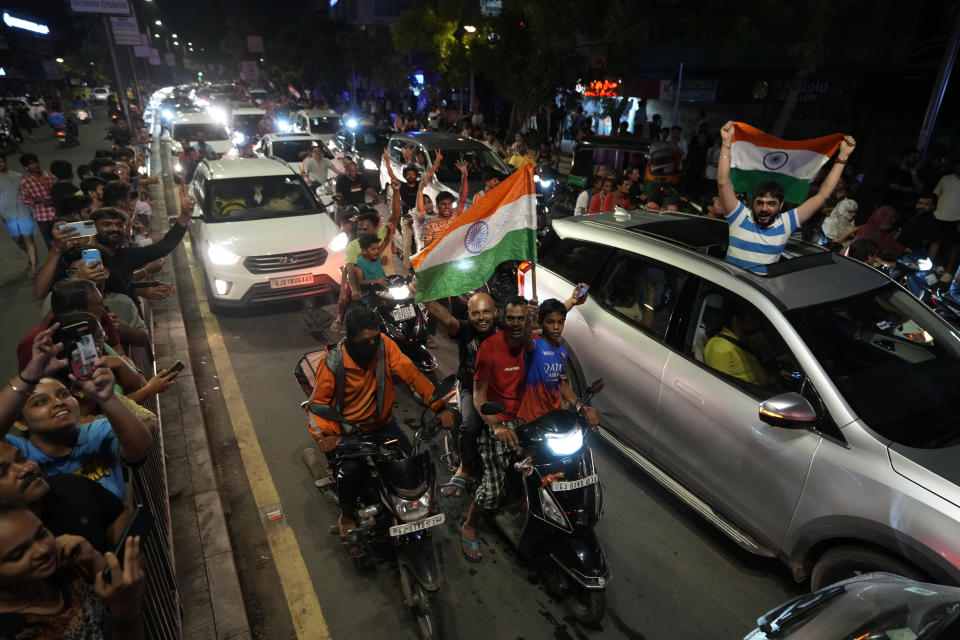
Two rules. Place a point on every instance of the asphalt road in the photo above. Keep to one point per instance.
(673, 575)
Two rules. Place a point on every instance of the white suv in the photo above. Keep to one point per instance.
(261, 235)
(186, 126)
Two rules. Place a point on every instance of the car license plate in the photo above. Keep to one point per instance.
(575, 484)
(931, 278)
(419, 525)
(403, 313)
(291, 281)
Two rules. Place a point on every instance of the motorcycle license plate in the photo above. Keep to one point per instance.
(575, 484)
(403, 313)
(419, 525)
(931, 278)
(291, 281)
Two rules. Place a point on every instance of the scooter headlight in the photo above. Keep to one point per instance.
(564, 444)
(411, 510)
(924, 264)
(339, 242)
(399, 293)
(369, 165)
(552, 511)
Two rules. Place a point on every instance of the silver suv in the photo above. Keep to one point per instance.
(812, 414)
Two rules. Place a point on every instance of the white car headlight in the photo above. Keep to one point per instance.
(339, 243)
(369, 165)
(564, 444)
(410, 510)
(221, 256)
(400, 293)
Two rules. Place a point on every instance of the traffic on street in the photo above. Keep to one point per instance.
(440, 319)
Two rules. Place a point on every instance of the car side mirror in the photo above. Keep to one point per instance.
(443, 387)
(492, 408)
(788, 410)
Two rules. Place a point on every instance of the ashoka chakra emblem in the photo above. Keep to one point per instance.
(476, 237)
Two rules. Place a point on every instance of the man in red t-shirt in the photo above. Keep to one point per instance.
(498, 377)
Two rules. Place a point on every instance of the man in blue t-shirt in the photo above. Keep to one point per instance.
(758, 235)
(545, 385)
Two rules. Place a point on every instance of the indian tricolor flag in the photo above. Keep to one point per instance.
(756, 157)
(501, 226)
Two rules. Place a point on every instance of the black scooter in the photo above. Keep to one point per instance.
(398, 508)
(404, 320)
(553, 501)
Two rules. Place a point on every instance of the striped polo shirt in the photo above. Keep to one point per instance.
(753, 248)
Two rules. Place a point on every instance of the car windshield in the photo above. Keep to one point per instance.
(477, 160)
(211, 130)
(893, 360)
(292, 150)
(371, 139)
(259, 197)
(247, 123)
(324, 125)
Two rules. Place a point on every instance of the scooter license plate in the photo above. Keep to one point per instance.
(419, 525)
(931, 278)
(403, 313)
(575, 484)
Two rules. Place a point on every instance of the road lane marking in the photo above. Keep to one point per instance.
(301, 596)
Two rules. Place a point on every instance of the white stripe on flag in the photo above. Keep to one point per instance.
(485, 233)
(799, 163)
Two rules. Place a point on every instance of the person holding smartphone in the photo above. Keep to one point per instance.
(53, 438)
(53, 584)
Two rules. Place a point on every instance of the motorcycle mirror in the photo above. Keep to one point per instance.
(443, 387)
(596, 386)
(492, 408)
(325, 411)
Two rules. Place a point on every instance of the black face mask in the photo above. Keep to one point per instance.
(362, 352)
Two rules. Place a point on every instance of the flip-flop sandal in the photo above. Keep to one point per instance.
(473, 545)
(456, 487)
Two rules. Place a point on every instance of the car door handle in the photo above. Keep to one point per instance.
(690, 391)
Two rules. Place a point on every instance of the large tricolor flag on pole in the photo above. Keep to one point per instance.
(756, 157)
(502, 226)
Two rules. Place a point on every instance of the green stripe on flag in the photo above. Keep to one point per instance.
(472, 272)
(795, 189)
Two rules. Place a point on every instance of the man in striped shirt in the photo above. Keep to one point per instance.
(35, 193)
(758, 235)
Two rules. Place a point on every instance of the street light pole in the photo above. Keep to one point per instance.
(940, 88)
(117, 78)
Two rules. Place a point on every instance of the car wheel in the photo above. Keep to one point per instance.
(840, 563)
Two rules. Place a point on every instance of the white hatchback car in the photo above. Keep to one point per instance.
(186, 126)
(260, 234)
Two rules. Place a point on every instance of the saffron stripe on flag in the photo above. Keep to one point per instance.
(826, 145)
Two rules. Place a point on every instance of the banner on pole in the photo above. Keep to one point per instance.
(255, 44)
(171, 62)
(154, 57)
(125, 31)
(249, 70)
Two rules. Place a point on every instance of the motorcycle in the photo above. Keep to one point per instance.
(397, 510)
(8, 142)
(68, 135)
(404, 320)
(83, 115)
(553, 501)
(915, 272)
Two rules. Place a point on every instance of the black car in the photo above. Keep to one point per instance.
(365, 144)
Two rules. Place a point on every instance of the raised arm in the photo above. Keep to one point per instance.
(386, 161)
(133, 435)
(728, 198)
(813, 204)
(421, 210)
(464, 187)
(444, 317)
(43, 362)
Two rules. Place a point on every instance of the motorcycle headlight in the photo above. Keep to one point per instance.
(238, 138)
(410, 510)
(924, 264)
(399, 293)
(167, 114)
(552, 511)
(339, 243)
(369, 165)
(178, 168)
(221, 256)
(564, 444)
(546, 184)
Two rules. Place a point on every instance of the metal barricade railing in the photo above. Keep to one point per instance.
(162, 606)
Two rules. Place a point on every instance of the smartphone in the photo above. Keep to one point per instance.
(581, 291)
(90, 256)
(176, 367)
(82, 229)
(80, 348)
(140, 524)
